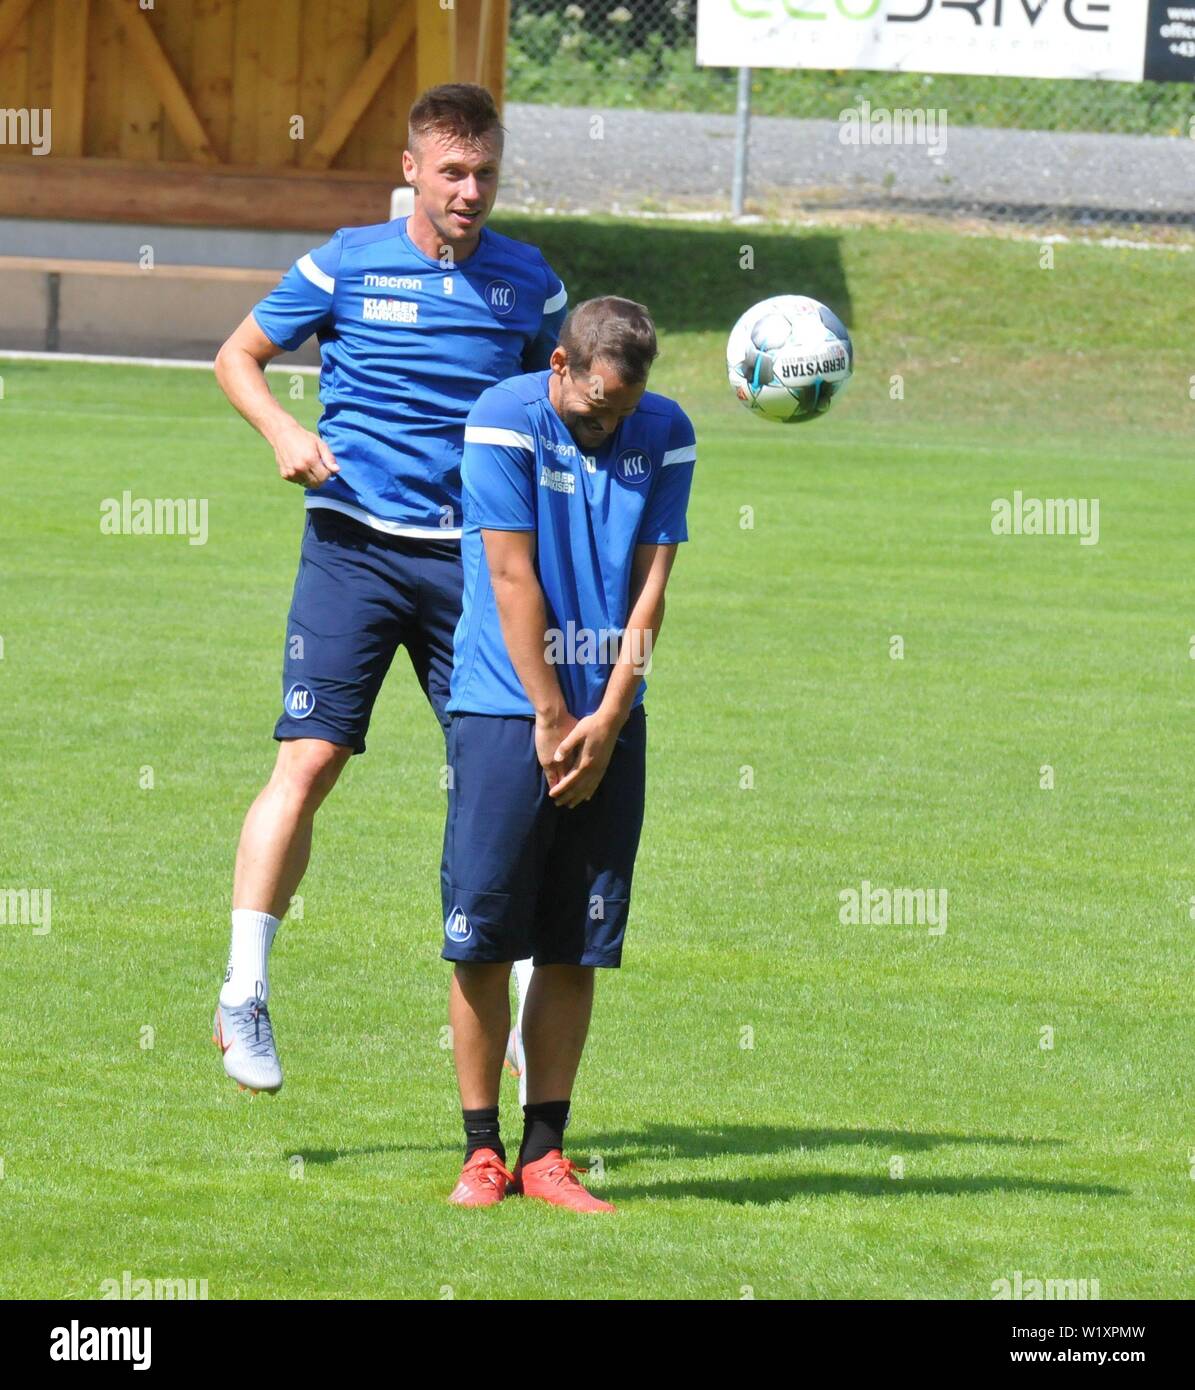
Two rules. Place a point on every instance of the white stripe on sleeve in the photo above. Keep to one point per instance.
(308, 269)
(687, 454)
(558, 301)
(483, 434)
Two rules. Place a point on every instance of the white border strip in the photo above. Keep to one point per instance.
(187, 362)
(487, 434)
(308, 269)
(389, 528)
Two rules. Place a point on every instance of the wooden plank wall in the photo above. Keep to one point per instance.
(248, 68)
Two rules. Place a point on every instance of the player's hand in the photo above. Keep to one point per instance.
(550, 731)
(303, 457)
(588, 748)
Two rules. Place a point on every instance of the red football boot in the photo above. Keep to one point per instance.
(553, 1178)
(482, 1182)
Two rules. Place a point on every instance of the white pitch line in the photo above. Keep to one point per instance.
(189, 363)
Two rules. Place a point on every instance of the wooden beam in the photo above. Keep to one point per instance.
(12, 12)
(14, 75)
(143, 44)
(39, 86)
(176, 34)
(361, 90)
(278, 85)
(435, 60)
(499, 38)
(212, 59)
(115, 190)
(130, 270)
(484, 23)
(70, 75)
(105, 66)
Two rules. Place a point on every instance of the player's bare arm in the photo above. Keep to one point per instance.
(523, 613)
(590, 744)
(302, 456)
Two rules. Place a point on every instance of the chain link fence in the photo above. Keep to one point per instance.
(1027, 149)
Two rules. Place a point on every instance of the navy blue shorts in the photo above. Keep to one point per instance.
(359, 595)
(522, 876)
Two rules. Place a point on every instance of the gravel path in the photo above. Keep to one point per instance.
(657, 159)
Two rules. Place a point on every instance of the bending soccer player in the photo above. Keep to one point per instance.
(415, 319)
(576, 482)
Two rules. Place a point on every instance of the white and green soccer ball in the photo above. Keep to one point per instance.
(788, 357)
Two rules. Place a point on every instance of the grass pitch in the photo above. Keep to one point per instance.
(782, 1105)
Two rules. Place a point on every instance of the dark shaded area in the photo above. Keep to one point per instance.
(787, 1187)
(1122, 219)
(665, 1143)
(690, 278)
(680, 1142)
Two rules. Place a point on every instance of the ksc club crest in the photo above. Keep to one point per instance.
(634, 467)
(457, 927)
(500, 296)
(299, 702)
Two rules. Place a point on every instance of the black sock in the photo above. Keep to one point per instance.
(543, 1128)
(481, 1131)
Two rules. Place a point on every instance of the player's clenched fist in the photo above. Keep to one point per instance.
(303, 457)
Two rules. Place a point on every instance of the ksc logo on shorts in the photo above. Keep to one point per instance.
(500, 296)
(457, 927)
(634, 467)
(299, 702)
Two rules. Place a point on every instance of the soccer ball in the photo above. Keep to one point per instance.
(788, 357)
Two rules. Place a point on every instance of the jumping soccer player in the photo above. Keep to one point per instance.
(415, 319)
(576, 482)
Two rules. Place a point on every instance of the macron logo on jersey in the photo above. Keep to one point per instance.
(391, 311)
(391, 282)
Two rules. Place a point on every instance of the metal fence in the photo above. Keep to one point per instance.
(1029, 149)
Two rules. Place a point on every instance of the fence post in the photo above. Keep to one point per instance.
(53, 289)
(742, 128)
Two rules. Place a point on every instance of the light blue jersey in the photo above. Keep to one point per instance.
(408, 344)
(523, 471)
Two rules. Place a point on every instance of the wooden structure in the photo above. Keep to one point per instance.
(242, 113)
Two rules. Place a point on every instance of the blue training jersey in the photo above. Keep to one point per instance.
(523, 471)
(408, 344)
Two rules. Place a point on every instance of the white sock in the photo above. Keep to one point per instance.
(523, 971)
(248, 956)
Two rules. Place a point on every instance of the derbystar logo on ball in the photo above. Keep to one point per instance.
(788, 358)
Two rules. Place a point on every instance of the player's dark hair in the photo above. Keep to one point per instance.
(460, 109)
(617, 331)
